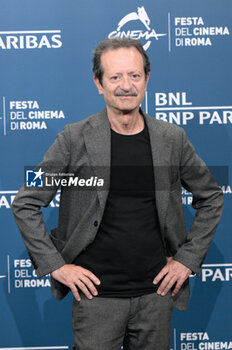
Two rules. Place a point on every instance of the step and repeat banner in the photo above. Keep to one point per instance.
(46, 82)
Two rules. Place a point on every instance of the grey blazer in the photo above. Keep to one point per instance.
(84, 147)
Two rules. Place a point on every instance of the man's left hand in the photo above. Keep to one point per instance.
(175, 273)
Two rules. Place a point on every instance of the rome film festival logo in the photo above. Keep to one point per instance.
(142, 16)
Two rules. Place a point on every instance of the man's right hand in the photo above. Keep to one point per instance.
(76, 276)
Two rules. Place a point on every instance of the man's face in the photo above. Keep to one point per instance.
(123, 83)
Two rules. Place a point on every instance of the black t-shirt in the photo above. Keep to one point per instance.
(127, 252)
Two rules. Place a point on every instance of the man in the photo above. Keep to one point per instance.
(122, 249)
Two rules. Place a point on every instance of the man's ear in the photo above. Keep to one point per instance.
(98, 85)
(147, 78)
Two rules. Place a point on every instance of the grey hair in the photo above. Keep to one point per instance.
(114, 44)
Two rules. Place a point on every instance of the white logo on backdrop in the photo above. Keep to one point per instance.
(30, 39)
(142, 16)
(7, 197)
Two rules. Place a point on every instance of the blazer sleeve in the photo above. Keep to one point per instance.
(208, 202)
(28, 202)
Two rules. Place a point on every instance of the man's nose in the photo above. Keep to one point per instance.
(125, 83)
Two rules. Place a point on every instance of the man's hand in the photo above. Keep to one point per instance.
(76, 276)
(175, 273)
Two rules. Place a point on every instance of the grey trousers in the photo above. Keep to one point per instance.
(137, 323)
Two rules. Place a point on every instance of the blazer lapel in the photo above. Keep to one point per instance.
(161, 152)
(98, 143)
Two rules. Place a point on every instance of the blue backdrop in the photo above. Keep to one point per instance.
(46, 82)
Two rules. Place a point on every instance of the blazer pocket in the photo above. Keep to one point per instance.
(58, 243)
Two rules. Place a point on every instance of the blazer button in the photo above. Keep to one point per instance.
(95, 223)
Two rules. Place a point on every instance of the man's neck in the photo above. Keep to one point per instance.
(126, 123)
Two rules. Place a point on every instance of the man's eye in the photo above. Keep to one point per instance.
(136, 76)
(114, 78)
